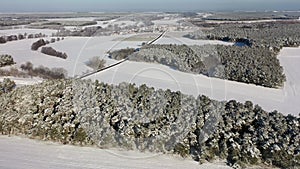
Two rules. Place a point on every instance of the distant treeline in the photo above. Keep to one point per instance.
(271, 35)
(9, 38)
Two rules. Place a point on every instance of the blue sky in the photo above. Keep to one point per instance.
(148, 5)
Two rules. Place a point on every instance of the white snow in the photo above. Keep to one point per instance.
(176, 37)
(22, 81)
(181, 40)
(167, 21)
(290, 60)
(246, 21)
(121, 24)
(103, 24)
(78, 49)
(206, 15)
(23, 153)
(28, 31)
(72, 19)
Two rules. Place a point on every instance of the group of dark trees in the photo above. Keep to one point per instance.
(252, 16)
(6, 60)
(257, 62)
(52, 52)
(96, 63)
(9, 38)
(87, 32)
(121, 54)
(246, 134)
(56, 25)
(36, 45)
(41, 42)
(39, 35)
(10, 22)
(6, 86)
(4, 39)
(96, 31)
(272, 35)
(180, 57)
(257, 65)
(145, 119)
(29, 70)
(44, 72)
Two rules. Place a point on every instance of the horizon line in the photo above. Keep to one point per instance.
(138, 11)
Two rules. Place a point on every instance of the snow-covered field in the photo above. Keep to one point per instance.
(103, 24)
(290, 60)
(72, 19)
(26, 30)
(78, 49)
(169, 39)
(249, 21)
(23, 153)
(167, 21)
(23, 81)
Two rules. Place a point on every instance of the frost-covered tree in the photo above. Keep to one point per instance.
(6, 60)
(7, 85)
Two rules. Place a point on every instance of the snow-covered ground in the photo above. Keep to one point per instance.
(26, 30)
(23, 153)
(290, 60)
(103, 24)
(80, 50)
(72, 19)
(181, 40)
(23, 81)
(167, 21)
(246, 21)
